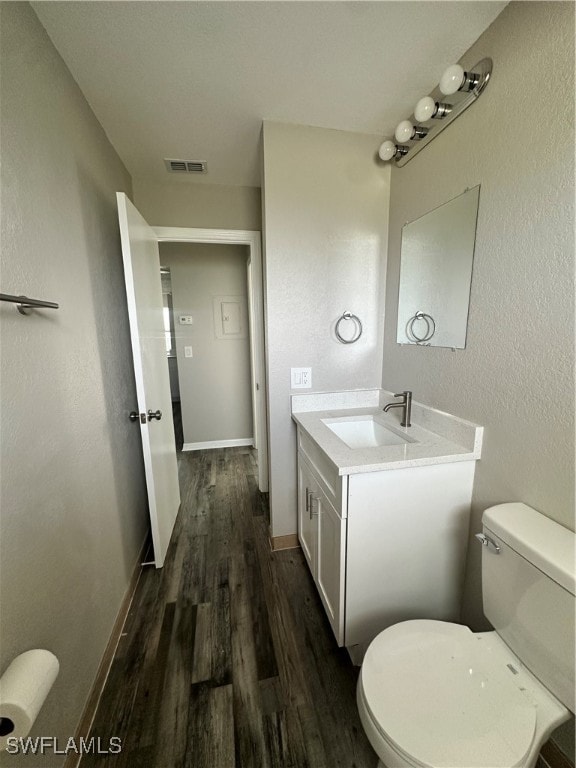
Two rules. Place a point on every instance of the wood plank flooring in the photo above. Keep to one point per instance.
(227, 659)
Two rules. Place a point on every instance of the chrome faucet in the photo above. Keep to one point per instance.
(406, 404)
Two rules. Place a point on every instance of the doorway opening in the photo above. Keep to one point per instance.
(206, 322)
(237, 319)
(170, 343)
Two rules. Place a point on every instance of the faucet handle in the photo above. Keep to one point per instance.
(401, 394)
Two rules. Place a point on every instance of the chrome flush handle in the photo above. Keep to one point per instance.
(486, 541)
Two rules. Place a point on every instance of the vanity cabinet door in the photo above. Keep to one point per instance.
(307, 523)
(331, 561)
(322, 536)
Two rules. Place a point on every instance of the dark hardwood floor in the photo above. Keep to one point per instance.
(227, 659)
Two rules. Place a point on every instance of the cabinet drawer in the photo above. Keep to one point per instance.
(331, 483)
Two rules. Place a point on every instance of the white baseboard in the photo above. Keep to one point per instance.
(218, 444)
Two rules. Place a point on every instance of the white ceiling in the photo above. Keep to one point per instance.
(195, 79)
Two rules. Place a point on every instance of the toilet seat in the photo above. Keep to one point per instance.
(443, 696)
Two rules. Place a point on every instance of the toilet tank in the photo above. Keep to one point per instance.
(528, 592)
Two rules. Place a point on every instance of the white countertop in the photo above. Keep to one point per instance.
(429, 447)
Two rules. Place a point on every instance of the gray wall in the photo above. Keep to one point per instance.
(517, 368)
(74, 512)
(325, 235)
(215, 389)
(516, 375)
(179, 202)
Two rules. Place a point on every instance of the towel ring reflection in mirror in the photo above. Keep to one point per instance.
(358, 330)
(428, 333)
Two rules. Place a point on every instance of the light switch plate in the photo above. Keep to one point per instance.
(186, 320)
(300, 378)
(188, 352)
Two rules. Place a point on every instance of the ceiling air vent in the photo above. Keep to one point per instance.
(185, 166)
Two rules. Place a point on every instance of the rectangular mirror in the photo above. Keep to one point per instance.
(436, 274)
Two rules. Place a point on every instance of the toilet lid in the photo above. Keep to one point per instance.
(437, 695)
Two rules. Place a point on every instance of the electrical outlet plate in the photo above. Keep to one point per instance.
(300, 378)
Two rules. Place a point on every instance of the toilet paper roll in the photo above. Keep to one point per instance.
(23, 689)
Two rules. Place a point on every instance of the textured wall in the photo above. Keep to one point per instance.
(325, 232)
(515, 376)
(215, 385)
(74, 510)
(181, 203)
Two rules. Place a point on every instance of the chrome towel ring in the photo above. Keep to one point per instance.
(356, 320)
(430, 328)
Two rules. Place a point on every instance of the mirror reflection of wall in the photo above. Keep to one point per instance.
(436, 274)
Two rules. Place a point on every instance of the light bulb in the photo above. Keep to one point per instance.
(404, 131)
(387, 150)
(452, 80)
(425, 109)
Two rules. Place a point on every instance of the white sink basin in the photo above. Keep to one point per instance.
(365, 432)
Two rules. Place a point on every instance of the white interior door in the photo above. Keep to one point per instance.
(145, 311)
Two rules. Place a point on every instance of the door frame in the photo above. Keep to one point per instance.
(251, 239)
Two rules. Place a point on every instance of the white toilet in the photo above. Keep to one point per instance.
(432, 693)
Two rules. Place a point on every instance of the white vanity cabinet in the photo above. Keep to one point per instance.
(383, 546)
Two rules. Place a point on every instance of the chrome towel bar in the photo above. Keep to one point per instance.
(23, 303)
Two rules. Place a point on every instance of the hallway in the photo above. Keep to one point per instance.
(227, 659)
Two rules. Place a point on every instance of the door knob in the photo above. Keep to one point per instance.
(135, 416)
(154, 415)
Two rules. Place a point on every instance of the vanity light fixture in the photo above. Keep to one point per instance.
(455, 79)
(427, 108)
(434, 112)
(389, 150)
(406, 131)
